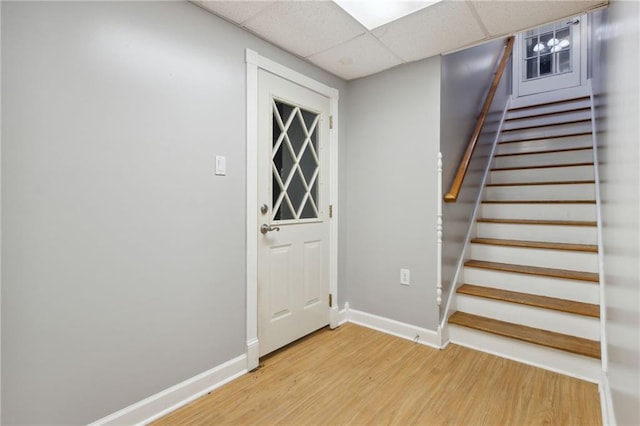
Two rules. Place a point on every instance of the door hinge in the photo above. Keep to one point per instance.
(330, 300)
(331, 121)
(330, 211)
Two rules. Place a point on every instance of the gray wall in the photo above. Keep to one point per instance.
(617, 37)
(123, 255)
(393, 132)
(466, 77)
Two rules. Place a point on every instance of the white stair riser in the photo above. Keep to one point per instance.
(542, 192)
(570, 94)
(545, 132)
(583, 212)
(545, 319)
(577, 290)
(551, 359)
(566, 157)
(545, 144)
(545, 109)
(549, 233)
(549, 174)
(545, 258)
(558, 117)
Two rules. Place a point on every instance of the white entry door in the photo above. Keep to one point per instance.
(293, 221)
(549, 58)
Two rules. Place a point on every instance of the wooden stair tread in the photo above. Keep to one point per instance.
(562, 305)
(547, 114)
(555, 182)
(542, 126)
(590, 248)
(568, 135)
(542, 104)
(539, 202)
(546, 151)
(544, 166)
(550, 339)
(535, 270)
(540, 222)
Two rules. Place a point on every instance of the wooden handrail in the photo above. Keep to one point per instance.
(452, 195)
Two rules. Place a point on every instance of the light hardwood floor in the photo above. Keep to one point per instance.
(354, 375)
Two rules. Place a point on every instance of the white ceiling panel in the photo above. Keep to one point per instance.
(236, 11)
(305, 27)
(358, 57)
(323, 33)
(439, 28)
(504, 17)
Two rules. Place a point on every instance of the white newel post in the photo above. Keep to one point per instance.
(439, 234)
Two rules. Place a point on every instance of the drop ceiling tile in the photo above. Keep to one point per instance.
(439, 28)
(305, 27)
(358, 57)
(505, 17)
(236, 11)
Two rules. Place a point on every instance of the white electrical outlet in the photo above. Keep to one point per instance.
(405, 278)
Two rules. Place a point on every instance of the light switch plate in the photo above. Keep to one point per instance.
(405, 277)
(221, 165)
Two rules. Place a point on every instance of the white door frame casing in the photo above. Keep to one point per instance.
(255, 62)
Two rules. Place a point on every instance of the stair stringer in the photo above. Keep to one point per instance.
(456, 282)
(596, 175)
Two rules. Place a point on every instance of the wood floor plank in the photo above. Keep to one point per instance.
(562, 305)
(577, 345)
(354, 375)
(535, 270)
(590, 248)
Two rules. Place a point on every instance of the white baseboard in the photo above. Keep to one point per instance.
(253, 354)
(606, 404)
(342, 314)
(395, 328)
(176, 396)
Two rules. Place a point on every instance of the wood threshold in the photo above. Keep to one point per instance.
(568, 135)
(535, 270)
(541, 126)
(547, 114)
(550, 339)
(539, 222)
(548, 151)
(561, 305)
(539, 202)
(588, 248)
(545, 166)
(555, 182)
(563, 101)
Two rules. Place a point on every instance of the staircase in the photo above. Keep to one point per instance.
(531, 287)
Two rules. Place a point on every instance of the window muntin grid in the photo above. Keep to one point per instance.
(547, 51)
(295, 162)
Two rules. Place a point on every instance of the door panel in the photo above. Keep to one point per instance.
(549, 57)
(293, 250)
